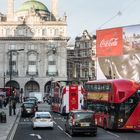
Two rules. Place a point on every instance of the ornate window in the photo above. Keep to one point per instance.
(52, 69)
(32, 63)
(13, 59)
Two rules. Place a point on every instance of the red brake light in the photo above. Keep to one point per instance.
(73, 120)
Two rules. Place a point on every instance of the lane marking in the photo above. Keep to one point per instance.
(60, 128)
(113, 134)
(38, 136)
(64, 131)
(67, 134)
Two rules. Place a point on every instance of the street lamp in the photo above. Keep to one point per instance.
(10, 73)
(4, 80)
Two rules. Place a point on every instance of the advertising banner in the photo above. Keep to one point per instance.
(116, 64)
(131, 39)
(109, 42)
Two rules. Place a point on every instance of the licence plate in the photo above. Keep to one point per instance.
(84, 124)
(43, 120)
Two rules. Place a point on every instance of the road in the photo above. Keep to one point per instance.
(25, 132)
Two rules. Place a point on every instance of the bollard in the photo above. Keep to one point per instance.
(3, 117)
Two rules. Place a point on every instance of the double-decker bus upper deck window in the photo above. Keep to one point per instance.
(97, 87)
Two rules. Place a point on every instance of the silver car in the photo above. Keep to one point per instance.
(42, 119)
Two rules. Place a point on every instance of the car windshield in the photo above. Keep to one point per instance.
(84, 116)
(47, 116)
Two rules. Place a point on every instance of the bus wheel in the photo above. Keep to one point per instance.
(105, 124)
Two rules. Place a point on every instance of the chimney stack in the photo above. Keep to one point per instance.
(54, 8)
(10, 10)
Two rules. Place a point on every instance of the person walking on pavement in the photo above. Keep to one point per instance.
(5, 102)
(14, 106)
(1, 101)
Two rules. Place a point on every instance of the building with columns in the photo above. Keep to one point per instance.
(33, 42)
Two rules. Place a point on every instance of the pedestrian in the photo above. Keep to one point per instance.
(0, 101)
(5, 102)
(14, 106)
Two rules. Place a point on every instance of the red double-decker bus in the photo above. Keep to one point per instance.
(66, 96)
(6, 90)
(116, 103)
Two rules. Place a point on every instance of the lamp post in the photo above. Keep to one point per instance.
(4, 80)
(10, 73)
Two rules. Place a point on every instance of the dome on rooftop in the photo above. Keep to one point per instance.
(33, 4)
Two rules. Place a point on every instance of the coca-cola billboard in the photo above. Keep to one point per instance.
(109, 42)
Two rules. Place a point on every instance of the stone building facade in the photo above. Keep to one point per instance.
(33, 44)
(82, 59)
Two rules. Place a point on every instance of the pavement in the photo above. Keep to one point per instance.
(7, 130)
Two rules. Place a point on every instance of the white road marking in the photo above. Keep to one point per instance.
(68, 135)
(54, 122)
(113, 134)
(60, 128)
(38, 136)
(64, 131)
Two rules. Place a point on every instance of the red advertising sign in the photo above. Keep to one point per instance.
(109, 42)
(73, 97)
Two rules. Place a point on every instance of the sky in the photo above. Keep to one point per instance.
(91, 15)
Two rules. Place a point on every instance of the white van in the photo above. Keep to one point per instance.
(38, 95)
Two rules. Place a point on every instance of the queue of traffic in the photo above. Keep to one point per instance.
(110, 104)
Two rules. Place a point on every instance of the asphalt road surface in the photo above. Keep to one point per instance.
(25, 132)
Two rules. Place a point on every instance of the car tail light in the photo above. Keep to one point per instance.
(73, 120)
(96, 121)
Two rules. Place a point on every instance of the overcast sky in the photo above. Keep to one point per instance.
(92, 14)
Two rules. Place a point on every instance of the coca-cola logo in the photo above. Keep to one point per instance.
(109, 43)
